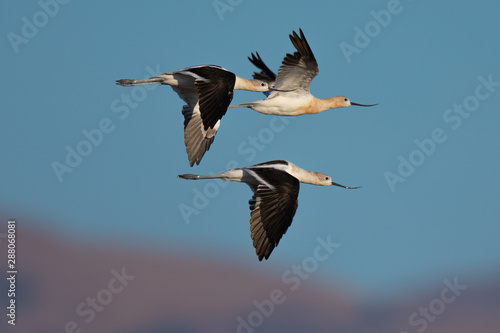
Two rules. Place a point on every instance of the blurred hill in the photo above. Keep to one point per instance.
(65, 286)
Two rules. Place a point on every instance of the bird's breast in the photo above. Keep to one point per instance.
(286, 105)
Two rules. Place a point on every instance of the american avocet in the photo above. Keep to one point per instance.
(207, 91)
(275, 187)
(292, 96)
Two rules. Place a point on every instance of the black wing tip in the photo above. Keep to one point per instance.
(302, 45)
(264, 254)
(294, 35)
(255, 57)
(265, 74)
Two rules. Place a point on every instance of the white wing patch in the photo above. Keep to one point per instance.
(259, 179)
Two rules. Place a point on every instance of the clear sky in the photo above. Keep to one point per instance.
(427, 157)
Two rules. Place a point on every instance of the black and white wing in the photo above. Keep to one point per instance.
(197, 139)
(215, 87)
(273, 207)
(299, 69)
(207, 103)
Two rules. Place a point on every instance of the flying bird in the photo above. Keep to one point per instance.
(275, 187)
(292, 96)
(207, 91)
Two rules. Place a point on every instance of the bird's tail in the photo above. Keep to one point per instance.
(192, 176)
(129, 82)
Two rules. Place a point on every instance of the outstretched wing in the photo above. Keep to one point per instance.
(273, 207)
(215, 87)
(207, 102)
(197, 138)
(265, 73)
(299, 69)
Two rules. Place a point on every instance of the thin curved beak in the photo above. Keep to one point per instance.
(363, 104)
(347, 187)
(280, 90)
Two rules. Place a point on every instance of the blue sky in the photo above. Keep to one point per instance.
(426, 156)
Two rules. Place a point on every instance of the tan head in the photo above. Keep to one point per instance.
(325, 180)
(342, 102)
(322, 179)
(311, 177)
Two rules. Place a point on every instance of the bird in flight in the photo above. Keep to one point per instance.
(275, 187)
(292, 96)
(207, 91)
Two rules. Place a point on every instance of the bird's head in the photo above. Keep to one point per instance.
(259, 85)
(325, 180)
(342, 102)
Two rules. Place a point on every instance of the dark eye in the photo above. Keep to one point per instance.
(327, 178)
(345, 99)
(263, 84)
